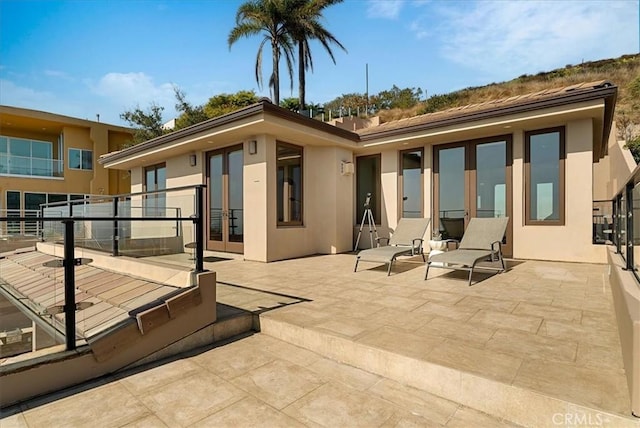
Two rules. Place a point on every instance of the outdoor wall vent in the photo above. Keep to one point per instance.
(346, 168)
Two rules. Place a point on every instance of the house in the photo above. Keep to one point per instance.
(274, 176)
(47, 158)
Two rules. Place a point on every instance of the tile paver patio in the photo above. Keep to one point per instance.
(280, 385)
(542, 327)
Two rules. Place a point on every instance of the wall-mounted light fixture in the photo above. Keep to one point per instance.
(193, 159)
(346, 168)
(253, 147)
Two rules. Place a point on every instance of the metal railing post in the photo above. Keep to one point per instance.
(199, 229)
(629, 218)
(115, 250)
(69, 286)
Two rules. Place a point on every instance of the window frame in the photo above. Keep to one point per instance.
(81, 159)
(401, 181)
(376, 194)
(154, 197)
(291, 223)
(562, 155)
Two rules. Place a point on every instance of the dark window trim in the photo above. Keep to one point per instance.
(154, 197)
(81, 157)
(377, 210)
(561, 172)
(401, 180)
(295, 223)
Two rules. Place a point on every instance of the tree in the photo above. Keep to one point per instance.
(189, 114)
(226, 103)
(303, 24)
(290, 103)
(146, 124)
(266, 17)
(399, 98)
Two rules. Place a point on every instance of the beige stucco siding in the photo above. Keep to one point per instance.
(573, 241)
(256, 204)
(327, 206)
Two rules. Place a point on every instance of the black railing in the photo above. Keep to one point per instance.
(70, 261)
(626, 222)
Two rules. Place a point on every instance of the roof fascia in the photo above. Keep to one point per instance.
(252, 110)
(608, 93)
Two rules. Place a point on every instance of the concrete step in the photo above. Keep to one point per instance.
(515, 404)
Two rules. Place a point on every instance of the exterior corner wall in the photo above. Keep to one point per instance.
(327, 210)
(255, 198)
(610, 173)
(572, 241)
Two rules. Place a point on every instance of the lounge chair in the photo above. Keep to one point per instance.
(407, 239)
(481, 241)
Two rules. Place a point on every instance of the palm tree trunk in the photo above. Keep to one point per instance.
(276, 74)
(301, 76)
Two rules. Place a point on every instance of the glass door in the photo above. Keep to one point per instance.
(473, 179)
(225, 214)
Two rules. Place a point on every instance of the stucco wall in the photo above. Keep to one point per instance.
(327, 206)
(611, 173)
(573, 241)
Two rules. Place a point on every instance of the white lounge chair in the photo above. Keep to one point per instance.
(407, 239)
(481, 241)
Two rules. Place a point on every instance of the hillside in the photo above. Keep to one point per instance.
(624, 72)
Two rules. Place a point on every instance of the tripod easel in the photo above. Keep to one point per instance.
(368, 217)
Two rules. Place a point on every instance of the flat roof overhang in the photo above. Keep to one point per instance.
(597, 103)
(244, 124)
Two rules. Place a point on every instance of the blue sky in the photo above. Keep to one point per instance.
(86, 57)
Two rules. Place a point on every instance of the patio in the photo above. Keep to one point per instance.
(535, 346)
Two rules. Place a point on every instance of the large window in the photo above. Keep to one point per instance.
(81, 159)
(368, 173)
(289, 165)
(544, 177)
(155, 178)
(411, 183)
(19, 156)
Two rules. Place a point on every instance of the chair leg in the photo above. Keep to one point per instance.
(502, 261)
(356, 267)
(426, 274)
(423, 259)
(470, 273)
(389, 268)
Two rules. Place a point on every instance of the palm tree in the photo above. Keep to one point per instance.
(303, 24)
(267, 17)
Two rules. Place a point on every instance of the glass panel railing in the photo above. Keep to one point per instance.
(602, 232)
(115, 224)
(30, 166)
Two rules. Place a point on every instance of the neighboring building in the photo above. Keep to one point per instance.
(45, 157)
(276, 177)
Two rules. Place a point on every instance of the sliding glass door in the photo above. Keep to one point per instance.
(472, 179)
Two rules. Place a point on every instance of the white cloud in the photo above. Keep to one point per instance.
(20, 96)
(388, 9)
(58, 74)
(510, 38)
(131, 89)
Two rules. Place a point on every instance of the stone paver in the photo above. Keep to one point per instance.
(271, 391)
(541, 327)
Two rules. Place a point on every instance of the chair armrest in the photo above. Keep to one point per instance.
(455, 241)
(384, 238)
(418, 247)
(493, 250)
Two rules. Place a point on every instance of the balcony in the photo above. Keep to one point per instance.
(30, 166)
